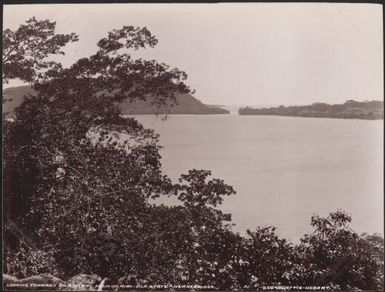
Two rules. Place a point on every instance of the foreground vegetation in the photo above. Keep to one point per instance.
(367, 110)
(189, 253)
(79, 183)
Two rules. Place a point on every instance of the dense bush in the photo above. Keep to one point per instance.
(341, 256)
(25, 261)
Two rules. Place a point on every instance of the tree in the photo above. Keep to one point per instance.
(211, 240)
(82, 177)
(266, 258)
(336, 255)
(25, 50)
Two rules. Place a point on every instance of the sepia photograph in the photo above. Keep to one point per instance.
(193, 147)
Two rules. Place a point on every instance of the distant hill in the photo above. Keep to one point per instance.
(187, 104)
(367, 110)
(13, 96)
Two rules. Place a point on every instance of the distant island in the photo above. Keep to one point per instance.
(186, 104)
(367, 110)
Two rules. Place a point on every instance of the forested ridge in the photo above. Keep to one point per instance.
(79, 183)
(367, 110)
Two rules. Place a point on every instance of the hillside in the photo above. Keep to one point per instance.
(367, 110)
(187, 104)
(12, 98)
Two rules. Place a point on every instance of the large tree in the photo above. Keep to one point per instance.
(80, 179)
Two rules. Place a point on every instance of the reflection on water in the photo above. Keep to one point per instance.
(284, 169)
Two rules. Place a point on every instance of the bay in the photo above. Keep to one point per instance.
(284, 169)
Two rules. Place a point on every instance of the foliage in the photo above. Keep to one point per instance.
(266, 258)
(368, 110)
(26, 261)
(336, 254)
(25, 50)
(199, 193)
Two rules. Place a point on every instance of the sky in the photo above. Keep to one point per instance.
(241, 54)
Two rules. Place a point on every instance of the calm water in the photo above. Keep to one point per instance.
(284, 169)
